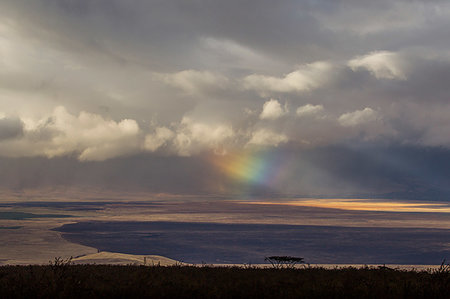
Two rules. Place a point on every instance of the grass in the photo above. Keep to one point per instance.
(62, 280)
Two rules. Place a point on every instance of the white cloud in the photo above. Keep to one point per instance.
(161, 136)
(382, 64)
(309, 109)
(272, 109)
(93, 136)
(89, 136)
(229, 53)
(230, 47)
(266, 137)
(190, 137)
(193, 81)
(357, 117)
(193, 137)
(307, 77)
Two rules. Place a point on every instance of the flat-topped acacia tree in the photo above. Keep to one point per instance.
(279, 262)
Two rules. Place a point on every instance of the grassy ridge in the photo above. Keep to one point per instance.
(100, 281)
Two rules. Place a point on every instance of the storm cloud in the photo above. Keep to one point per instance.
(91, 81)
(10, 128)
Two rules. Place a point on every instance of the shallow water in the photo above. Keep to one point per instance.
(10, 227)
(8, 215)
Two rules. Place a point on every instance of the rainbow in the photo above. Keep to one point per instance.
(256, 168)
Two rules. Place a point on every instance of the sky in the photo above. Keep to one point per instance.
(276, 98)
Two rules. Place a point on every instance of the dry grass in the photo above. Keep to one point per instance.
(64, 280)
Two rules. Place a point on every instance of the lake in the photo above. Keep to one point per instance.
(195, 242)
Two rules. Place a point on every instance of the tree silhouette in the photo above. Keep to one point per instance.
(279, 262)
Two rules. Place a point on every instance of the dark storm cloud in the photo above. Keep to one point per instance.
(165, 33)
(150, 81)
(138, 173)
(377, 172)
(10, 128)
(157, 29)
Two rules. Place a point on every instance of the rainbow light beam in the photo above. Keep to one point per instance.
(262, 168)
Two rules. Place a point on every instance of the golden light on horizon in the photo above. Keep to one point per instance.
(362, 205)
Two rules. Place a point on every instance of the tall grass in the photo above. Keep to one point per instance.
(63, 280)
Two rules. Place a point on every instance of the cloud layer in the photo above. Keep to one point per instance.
(103, 80)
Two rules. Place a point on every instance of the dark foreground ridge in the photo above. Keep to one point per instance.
(105, 281)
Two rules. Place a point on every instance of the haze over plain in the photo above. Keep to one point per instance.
(256, 101)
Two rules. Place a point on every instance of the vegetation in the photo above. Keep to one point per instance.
(61, 279)
(279, 262)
